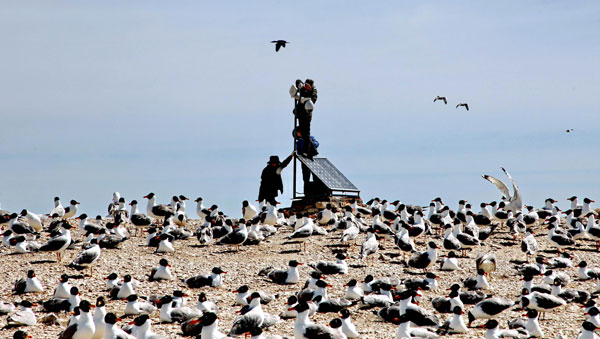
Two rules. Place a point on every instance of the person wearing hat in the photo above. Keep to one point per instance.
(270, 179)
(306, 97)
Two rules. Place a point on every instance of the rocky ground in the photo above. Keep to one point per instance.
(242, 267)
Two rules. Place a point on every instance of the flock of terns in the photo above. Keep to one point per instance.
(390, 299)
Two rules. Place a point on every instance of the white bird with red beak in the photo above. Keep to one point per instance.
(161, 272)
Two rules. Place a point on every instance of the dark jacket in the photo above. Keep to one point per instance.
(304, 93)
(312, 94)
(271, 182)
(307, 149)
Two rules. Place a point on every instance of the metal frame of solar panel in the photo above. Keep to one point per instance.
(331, 177)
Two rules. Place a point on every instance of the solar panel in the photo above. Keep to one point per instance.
(325, 171)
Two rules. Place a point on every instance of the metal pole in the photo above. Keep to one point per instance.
(294, 146)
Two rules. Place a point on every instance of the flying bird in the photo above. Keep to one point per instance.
(569, 130)
(514, 202)
(463, 104)
(441, 98)
(279, 44)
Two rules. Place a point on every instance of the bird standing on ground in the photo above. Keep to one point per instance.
(370, 246)
(87, 257)
(423, 260)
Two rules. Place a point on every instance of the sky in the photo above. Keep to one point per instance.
(188, 97)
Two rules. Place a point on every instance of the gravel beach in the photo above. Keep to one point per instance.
(242, 267)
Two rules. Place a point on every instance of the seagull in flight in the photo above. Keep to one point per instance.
(440, 98)
(463, 104)
(279, 44)
(514, 202)
(569, 130)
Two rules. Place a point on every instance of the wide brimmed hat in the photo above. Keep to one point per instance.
(274, 159)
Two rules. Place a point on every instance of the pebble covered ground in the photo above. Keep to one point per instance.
(242, 267)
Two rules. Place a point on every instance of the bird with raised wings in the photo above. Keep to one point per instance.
(440, 98)
(463, 104)
(513, 202)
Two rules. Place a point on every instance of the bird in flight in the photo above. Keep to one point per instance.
(440, 98)
(463, 104)
(279, 44)
(569, 130)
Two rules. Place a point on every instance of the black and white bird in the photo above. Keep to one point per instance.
(87, 257)
(157, 211)
(328, 267)
(84, 327)
(127, 288)
(348, 327)
(237, 236)
(456, 324)
(254, 317)
(477, 283)
(61, 304)
(169, 312)
(62, 290)
(161, 272)
(405, 330)
(166, 244)
(305, 328)
(289, 276)
(370, 246)
(138, 219)
(423, 260)
(450, 262)
(248, 210)
(215, 279)
(142, 328)
(19, 226)
(24, 316)
(541, 302)
(331, 305)
(440, 98)
(34, 220)
(22, 245)
(136, 307)
(31, 284)
(206, 305)
(486, 262)
(60, 242)
(210, 326)
(493, 332)
(353, 291)
(529, 244)
(588, 331)
(58, 209)
(559, 240)
(488, 308)
(586, 273)
(71, 210)
(112, 330)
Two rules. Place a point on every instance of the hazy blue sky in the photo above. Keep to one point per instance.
(191, 98)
